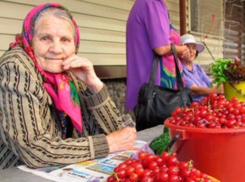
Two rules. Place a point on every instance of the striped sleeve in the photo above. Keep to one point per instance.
(104, 111)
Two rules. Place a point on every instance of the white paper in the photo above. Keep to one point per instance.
(97, 170)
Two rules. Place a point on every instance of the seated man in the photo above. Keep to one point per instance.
(195, 77)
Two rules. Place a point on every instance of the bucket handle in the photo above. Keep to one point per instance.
(238, 90)
(170, 144)
(181, 134)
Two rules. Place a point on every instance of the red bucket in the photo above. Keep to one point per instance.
(217, 152)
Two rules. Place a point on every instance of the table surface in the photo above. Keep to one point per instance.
(15, 174)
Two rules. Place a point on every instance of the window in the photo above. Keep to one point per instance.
(234, 26)
(206, 17)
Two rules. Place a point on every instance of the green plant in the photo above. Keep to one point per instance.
(217, 71)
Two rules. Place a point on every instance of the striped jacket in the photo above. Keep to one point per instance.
(29, 128)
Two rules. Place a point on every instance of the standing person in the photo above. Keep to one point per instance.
(195, 77)
(54, 110)
(149, 33)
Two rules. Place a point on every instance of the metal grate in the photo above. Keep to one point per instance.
(234, 24)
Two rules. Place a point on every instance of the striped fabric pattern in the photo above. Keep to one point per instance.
(29, 128)
(7, 158)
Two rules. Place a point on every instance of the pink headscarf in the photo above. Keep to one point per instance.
(59, 86)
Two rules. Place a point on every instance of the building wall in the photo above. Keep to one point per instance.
(102, 24)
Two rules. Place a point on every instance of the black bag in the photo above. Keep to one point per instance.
(156, 103)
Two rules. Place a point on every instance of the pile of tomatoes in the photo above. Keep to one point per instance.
(154, 168)
(213, 111)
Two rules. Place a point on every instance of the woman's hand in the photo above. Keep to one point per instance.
(121, 139)
(83, 69)
(219, 90)
(204, 91)
(183, 51)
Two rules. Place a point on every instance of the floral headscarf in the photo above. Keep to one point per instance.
(59, 86)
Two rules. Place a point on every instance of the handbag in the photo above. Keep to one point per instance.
(156, 103)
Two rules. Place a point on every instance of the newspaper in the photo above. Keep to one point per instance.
(97, 170)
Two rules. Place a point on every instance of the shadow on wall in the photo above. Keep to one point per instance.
(117, 91)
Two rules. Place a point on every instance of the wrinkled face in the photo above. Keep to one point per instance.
(193, 51)
(53, 42)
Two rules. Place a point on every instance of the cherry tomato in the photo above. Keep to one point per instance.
(128, 161)
(133, 177)
(185, 173)
(144, 163)
(153, 165)
(163, 177)
(121, 174)
(125, 180)
(159, 161)
(122, 165)
(172, 161)
(195, 173)
(156, 171)
(212, 96)
(130, 170)
(111, 179)
(183, 165)
(116, 169)
(136, 165)
(147, 172)
(207, 180)
(165, 156)
(141, 155)
(149, 158)
(190, 180)
(173, 178)
(173, 170)
(139, 171)
(147, 179)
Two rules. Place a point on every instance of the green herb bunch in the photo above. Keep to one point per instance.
(217, 71)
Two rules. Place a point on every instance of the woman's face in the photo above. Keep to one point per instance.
(193, 51)
(52, 43)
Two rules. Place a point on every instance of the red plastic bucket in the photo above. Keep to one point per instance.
(217, 152)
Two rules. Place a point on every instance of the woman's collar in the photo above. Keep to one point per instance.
(188, 65)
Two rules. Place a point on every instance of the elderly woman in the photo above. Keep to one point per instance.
(54, 109)
(195, 77)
